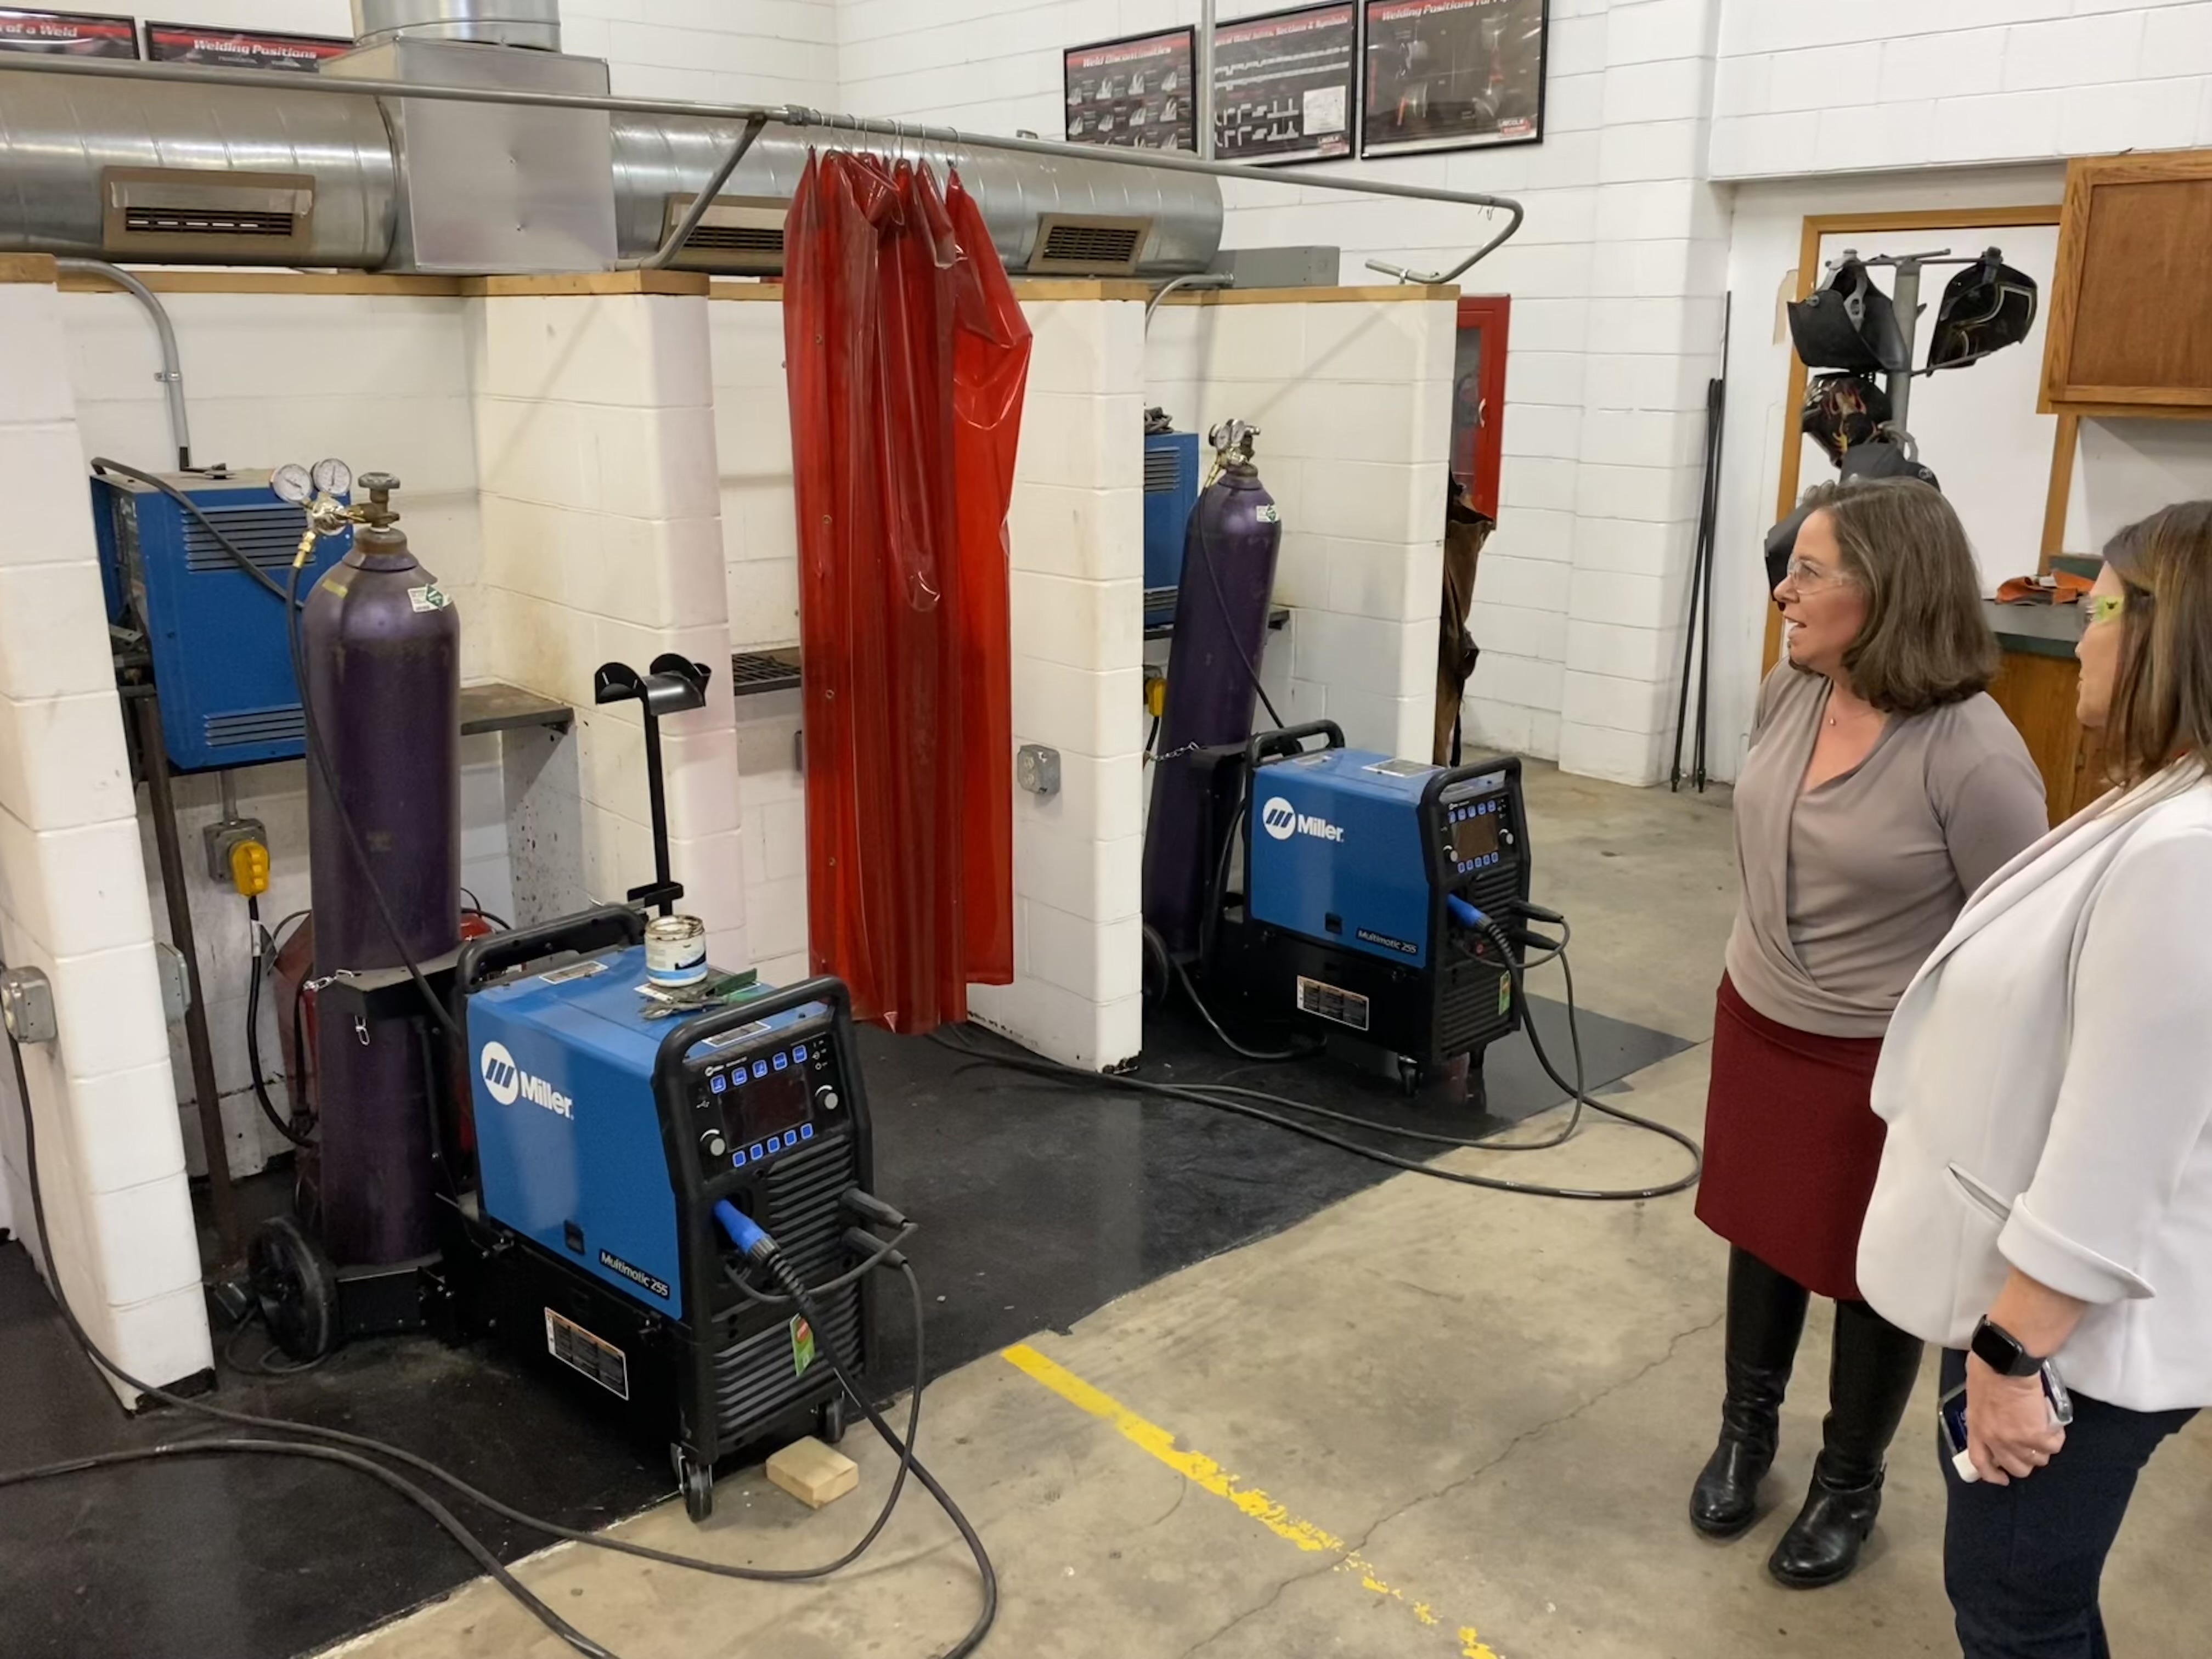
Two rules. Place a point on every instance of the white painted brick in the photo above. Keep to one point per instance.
(1544, 484)
(1636, 601)
(1084, 442)
(1599, 751)
(775, 920)
(787, 969)
(1657, 29)
(1391, 581)
(108, 1006)
(2178, 40)
(1075, 708)
(783, 834)
(63, 764)
(1633, 547)
(137, 1233)
(1821, 77)
(700, 770)
(1530, 583)
(1303, 569)
(1664, 382)
(1902, 136)
(1251, 342)
(1376, 501)
(164, 1340)
(763, 606)
(1667, 90)
(712, 869)
(1653, 149)
(1575, 45)
(1624, 705)
(1522, 681)
(1096, 625)
(1742, 84)
(2005, 126)
(1643, 437)
(1636, 653)
(1500, 727)
(53, 631)
(1572, 103)
(34, 381)
(1749, 146)
(1565, 159)
(49, 511)
(1099, 799)
(2130, 115)
(1542, 430)
(2075, 51)
(78, 890)
(1101, 881)
(1662, 494)
(1058, 1024)
(1661, 212)
(1365, 653)
(1617, 327)
(1541, 377)
(1956, 63)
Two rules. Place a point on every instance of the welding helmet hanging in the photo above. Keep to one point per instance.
(1850, 323)
(1986, 306)
(1842, 411)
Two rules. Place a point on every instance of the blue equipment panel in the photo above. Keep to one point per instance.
(570, 1150)
(220, 660)
(1338, 853)
(1171, 495)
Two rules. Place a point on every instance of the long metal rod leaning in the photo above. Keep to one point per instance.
(800, 116)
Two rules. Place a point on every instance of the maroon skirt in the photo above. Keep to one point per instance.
(1792, 1145)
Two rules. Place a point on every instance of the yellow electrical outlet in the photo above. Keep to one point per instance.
(249, 868)
(1156, 696)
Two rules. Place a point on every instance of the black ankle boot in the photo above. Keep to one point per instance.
(1765, 1317)
(1870, 1385)
(1823, 1543)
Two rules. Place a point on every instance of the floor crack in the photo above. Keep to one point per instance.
(1328, 1562)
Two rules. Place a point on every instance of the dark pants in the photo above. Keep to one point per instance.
(2022, 1561)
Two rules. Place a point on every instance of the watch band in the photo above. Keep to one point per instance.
(2002, 1352)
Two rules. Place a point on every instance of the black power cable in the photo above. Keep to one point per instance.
(345, 1448)
(155, 480)
(261, 943)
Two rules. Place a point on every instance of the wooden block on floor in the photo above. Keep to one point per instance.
(813, 1473)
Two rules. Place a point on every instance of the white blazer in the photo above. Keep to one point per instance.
(2047, 1082)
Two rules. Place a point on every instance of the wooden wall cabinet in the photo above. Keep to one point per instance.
(2131, 307)
(2037, 690)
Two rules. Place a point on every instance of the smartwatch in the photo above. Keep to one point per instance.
(2002, 1352)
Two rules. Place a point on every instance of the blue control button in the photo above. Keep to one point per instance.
(791, 1137)
(782, 1061)
(737, 1160)
(760, 1068)
(759, 1152)
(721, 1083)
(806, 1131)
(799, 1051)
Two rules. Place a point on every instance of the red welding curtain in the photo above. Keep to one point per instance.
(906, 356)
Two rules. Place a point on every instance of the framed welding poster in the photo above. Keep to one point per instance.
(195, 43)
(1285, 84)
(1453, 74)
(68, 33)
(1137, 94)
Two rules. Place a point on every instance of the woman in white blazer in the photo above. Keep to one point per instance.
(2045, 1189)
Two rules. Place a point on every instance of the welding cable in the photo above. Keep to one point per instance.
(353, 1444)
(885, 1250)
(261, 944)
(155, 480)
(1263, 1055)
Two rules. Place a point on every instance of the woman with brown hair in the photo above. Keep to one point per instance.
(2045, 1198)
(1882, 788)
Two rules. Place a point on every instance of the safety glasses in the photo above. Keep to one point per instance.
(2103, 607)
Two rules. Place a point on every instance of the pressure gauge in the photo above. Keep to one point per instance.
(333, 478)
(292, 483)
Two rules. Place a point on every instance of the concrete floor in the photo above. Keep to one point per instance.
(1430, 1420)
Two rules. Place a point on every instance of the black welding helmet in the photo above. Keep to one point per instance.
(1842, 411)
(1986, 306)
(1850, 323)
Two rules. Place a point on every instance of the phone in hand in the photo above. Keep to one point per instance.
(1951, 1411)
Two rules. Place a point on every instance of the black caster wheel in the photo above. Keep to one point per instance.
(698, 1481)
(830, 1423)
(296, 1288)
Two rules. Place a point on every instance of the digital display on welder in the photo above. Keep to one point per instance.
(771, 1095)
(1474, 836)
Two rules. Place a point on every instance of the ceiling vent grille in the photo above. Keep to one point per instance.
(1088, 245)
(220, 218)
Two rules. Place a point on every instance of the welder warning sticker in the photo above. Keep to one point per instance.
(429, 597)
(802, 1346)
(1333, 1003)
(574, 1346)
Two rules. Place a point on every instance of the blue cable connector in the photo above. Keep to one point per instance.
(752, 1242)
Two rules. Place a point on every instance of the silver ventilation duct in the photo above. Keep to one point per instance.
(535, 23)
(160, 172)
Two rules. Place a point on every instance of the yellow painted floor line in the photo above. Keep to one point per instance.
(1207, 1475)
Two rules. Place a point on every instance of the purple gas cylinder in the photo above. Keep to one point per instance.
(1220, 631)
(381, 644)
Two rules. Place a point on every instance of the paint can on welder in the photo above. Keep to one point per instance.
(676, 951)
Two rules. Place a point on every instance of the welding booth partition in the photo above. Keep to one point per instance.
(908, 357)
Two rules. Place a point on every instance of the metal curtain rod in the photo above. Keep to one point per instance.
(797, 115)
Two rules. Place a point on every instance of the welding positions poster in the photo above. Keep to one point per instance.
(1135, 93)
(194, 43)
(1451, 74)
(68, 33)
(1283, 85)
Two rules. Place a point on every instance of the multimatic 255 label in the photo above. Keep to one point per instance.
(637, 1276)
(1369, 936)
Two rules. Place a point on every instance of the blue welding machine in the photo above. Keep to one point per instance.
(1359, 869)
(1171, 495)
(221, 656)
(604, 1136)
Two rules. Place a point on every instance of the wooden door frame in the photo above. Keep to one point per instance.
(1492, 314)
(1819, 226)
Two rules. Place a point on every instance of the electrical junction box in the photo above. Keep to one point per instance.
(223, 663)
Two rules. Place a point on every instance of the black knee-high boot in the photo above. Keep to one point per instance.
(1870, 1385)
(1765, 1317)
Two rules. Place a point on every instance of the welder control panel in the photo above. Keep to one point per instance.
(757, 1093)
(1475, 829)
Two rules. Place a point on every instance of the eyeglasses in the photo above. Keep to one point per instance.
(1811, 575)
(2103, 607)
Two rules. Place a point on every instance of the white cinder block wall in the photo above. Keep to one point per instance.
(1617, 278)
(1809, 88)
(73, 895)
(603, 535)
(1352, 401)
(1076, 534)
(381, 381)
